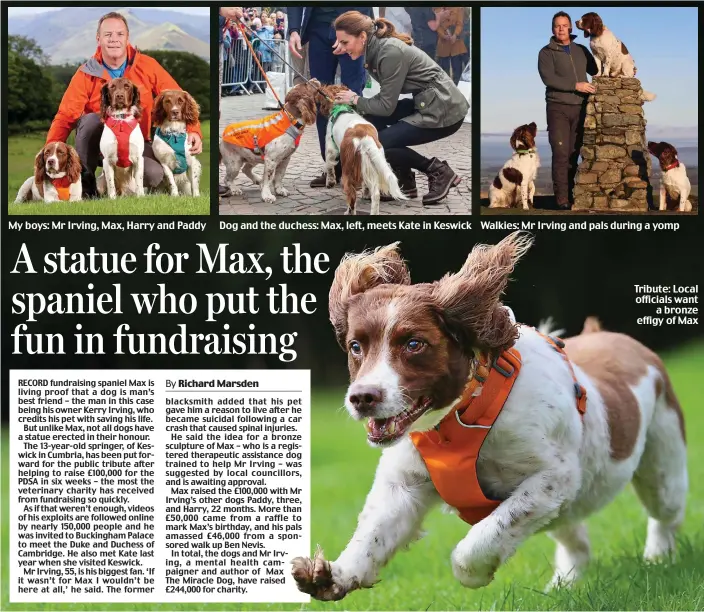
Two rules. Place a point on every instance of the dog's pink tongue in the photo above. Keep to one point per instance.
(381, 428)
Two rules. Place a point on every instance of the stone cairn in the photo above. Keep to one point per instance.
(615, 170)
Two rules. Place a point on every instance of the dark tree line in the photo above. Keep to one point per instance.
(35, 87)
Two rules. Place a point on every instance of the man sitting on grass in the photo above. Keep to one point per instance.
(79, 107)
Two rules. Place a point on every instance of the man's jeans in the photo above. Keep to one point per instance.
(89, 129)
(565, 132)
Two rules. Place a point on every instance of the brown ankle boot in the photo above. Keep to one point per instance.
(440, 178)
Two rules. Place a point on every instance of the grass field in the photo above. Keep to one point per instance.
(421, 578)
(23, 149)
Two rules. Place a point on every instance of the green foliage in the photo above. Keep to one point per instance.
(191, 72)
(31, 92)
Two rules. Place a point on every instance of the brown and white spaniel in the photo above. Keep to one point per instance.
(270, 140)
(122, 142)
(611, 55)
(514, 185)
(57, 176)
(355, 141)
(674, 183)
(174, 110)
(431, 363)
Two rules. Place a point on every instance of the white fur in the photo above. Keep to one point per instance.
(552, 469)
(123, 181)
(610, 59)
(511, 194)
(188, 182)
(30, 191)
(277, 154)
(676, 183)
(377, 175)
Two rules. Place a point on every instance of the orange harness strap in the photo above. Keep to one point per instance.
(62, 186)
(579, 391)
(450, 451)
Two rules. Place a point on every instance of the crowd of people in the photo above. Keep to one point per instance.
(441, 32)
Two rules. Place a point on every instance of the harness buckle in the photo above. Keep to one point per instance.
(558, 341)
(578, 390)
(502, 371)
(257, 150)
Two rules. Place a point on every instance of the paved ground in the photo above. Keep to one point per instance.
(307, 163)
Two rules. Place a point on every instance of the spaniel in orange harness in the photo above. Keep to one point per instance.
(57, 176)
(516, 431)
(270, 141)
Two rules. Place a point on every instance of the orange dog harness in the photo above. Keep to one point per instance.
(62, 186)
(257, 133)
(450, 450)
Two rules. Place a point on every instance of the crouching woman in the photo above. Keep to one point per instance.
(436, 110)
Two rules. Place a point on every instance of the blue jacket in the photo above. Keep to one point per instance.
(299, 19)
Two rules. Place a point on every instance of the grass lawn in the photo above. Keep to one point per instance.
(22, 150)
(421, 578)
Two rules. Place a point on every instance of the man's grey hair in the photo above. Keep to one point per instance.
(113, 15)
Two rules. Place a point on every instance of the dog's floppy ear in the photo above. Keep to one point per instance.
(136, 101)
(533, 128)
(39, 172)
(359, 273)
(104, 101)
(469, 301)
(191, 110)
(158, 113)
(73, 165)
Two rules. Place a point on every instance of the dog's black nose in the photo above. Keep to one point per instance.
(365, 399)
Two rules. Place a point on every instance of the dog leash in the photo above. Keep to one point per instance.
(244, 26)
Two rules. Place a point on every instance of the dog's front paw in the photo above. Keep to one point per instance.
(235, 190)
(282, 191)
(330, 182)
(314, 576)
(268, 197)
(473, 573)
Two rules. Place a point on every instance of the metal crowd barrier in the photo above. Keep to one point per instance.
(240, 71)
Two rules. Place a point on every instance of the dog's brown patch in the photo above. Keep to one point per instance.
(119, 94)
(351, 160)
(624, 50)
(525, 134)
(175, 105)
(300, 102)
(513, 175)
(326, 97)
(497, 182)
(592, 24)
(665, 152)
(615, 363)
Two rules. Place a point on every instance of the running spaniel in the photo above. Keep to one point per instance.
(173, 111)
(674, 183)
(122, 142)
(515, 183)
(57, 176)
(516, 430)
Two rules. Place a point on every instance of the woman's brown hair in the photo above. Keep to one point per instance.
(354, 23)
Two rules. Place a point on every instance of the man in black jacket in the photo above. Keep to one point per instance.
(313, 25)
(563, 66)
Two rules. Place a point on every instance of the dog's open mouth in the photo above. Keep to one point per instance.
(385, 431)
